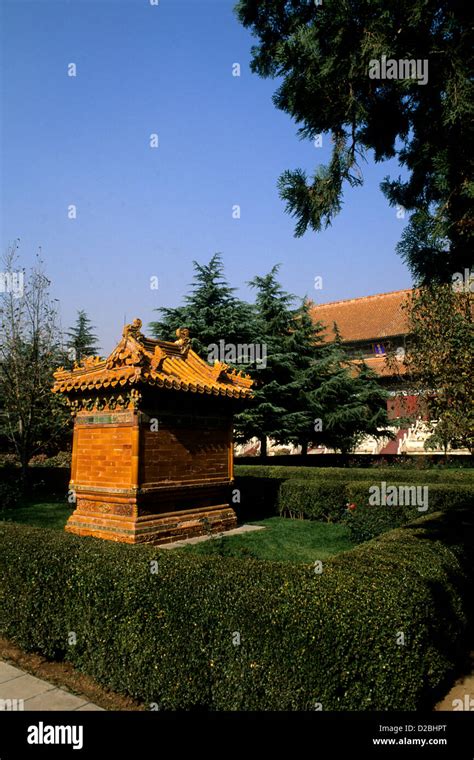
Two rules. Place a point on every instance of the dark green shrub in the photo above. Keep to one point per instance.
(10, 496)
(316, 496)
(9, 460)
(258, 497)
(366, 521)
(357, 473)
(165, 633)
(61, 459)
(316, 500)
(450, 496)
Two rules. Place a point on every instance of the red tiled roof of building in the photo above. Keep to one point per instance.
(366, 318)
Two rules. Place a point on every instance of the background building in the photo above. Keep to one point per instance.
(371, 328)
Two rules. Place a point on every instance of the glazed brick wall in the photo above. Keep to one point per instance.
(104, 456)
(184, 454)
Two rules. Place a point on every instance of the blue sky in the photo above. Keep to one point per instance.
(142, 211)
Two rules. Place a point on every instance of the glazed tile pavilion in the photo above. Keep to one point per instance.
(152, 457)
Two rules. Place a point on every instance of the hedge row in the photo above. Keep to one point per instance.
(465, 475)
(366, 521)
(42, 480)
(405, 461)
(381, 628)
(327, 501)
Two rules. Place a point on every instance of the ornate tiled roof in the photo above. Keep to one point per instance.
(367, 318)
(138, 360)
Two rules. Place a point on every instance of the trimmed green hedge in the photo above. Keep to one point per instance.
(171, 636)
(314, 500)
(326, 499)
(366, 521)
(393, 474)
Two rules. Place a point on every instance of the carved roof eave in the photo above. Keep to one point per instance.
(137, 360)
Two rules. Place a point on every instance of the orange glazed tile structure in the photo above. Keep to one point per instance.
(152, 457)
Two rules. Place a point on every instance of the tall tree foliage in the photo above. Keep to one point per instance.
(32, 417)
(268, 415)
(300, 378)
(439, 361)
(211, 311)
(309, 393)
(305, 341)
(81, 341)
(346, 399)
(322, 52)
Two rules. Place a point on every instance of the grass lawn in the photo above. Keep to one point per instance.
(283, 539)
(41, 514)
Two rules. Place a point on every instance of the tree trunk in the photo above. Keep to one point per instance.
(263, 446)
(304, 448)
(24, 481)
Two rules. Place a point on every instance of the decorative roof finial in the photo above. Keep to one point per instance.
(133, 329)
(183, 339)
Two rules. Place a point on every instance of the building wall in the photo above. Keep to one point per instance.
(403, 406)
(141, 477)
(102, 451)
(184, 449)
(125, 449)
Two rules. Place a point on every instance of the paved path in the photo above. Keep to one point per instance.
(16, 685)
(461, 696)
(197, 539)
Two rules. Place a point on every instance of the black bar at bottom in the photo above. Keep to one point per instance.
(157, 734)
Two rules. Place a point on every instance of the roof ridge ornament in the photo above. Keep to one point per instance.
(240, 376)
(158, 358)
(133, 330)
(183, 339)
(129, 352)
(88, 362)
(219, 369)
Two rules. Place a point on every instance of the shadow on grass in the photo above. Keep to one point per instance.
(47, 513)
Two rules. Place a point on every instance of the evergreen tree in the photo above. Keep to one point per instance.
(345, 398)
(288, 384)
(304, 344)
(326, 57)
(211, 312)
(82, 341)
(270, 414)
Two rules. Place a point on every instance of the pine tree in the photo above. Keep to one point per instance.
(304, 344)
(211, 312)
(325, 56)
(171, 320)
(298, 381)
(269, 416)
(346, 398)
(82, 341)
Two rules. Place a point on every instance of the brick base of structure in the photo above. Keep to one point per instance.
(152, 529)
(156, 516)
